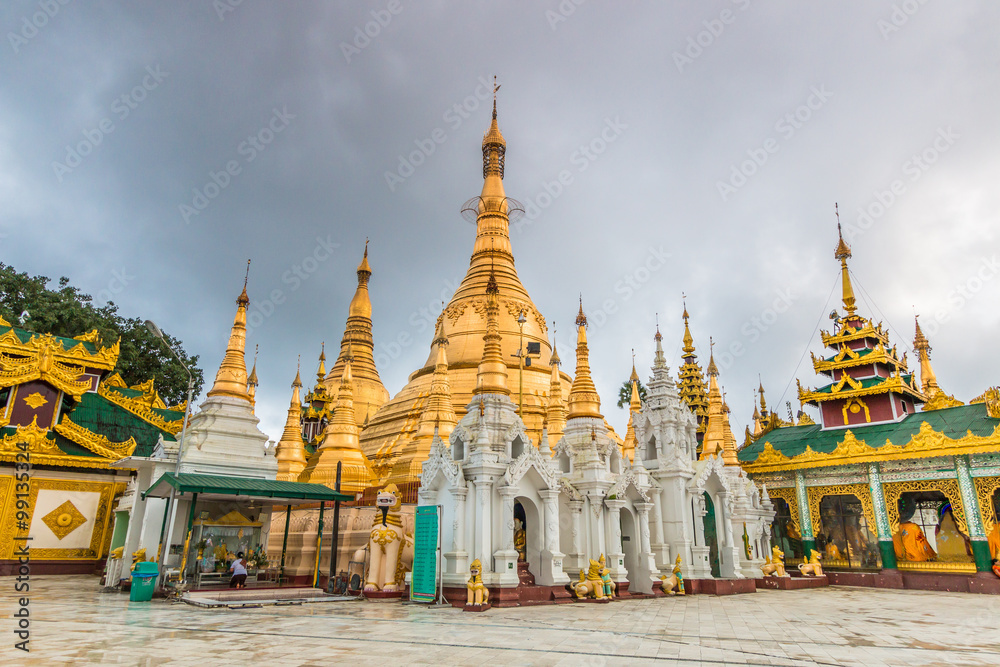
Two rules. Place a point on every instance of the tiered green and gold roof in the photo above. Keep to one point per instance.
(857, 341)
(90, 418)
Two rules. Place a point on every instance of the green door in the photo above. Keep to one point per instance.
(711, 537)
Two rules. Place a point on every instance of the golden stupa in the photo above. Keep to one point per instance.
(388, 438)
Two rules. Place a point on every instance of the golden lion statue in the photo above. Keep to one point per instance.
(597, 583)
(813, 567)
(675, 580)
(478, 593)
(775, 564)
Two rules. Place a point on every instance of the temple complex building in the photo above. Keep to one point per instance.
(898, 484)
(493, 430)
(66, 418)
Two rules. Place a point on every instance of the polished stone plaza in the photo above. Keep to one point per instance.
(74, 623)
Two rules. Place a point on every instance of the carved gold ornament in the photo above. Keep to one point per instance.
(949, 487)
(35, 400)
(43, 357)
(925, 443)
(860, 491)
(64, 519)
(788, 495)
(985, 488)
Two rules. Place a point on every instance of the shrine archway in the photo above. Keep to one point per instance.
(630, 541)
(534, 539)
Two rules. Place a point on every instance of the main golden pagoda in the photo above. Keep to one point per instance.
(391, 438)
(396, 434)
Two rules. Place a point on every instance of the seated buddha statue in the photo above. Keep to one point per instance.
(993, 539)
(952, 545)
(520, 540)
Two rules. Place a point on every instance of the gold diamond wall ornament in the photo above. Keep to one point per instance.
(35, 400)
(64, 519)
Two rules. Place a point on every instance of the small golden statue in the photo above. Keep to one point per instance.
(596, 583)
(775, 564)
(675, 580)
(116, 554)
(813, 567)
(478, 593)
(520, 541)
(138, 557)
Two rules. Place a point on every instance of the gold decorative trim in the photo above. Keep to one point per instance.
(859, 404)
(991, 397)
(788, 495)
(96, 443)
(45, 451)
(925, 443)
(985, 488)
(849, 333)
(140, 409)
(860, 491)
(8, 527)
(949, 487)
(64, 519)
(937, 566)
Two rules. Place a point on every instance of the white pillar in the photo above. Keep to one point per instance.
(646, 577)
(482, 546)
(505, 558)
(576, 560)
(551, 573)
(458, 559)
(613, 542)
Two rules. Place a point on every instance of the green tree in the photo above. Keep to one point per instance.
(66, 311)
(625, 393)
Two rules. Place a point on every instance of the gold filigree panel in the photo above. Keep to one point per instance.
(788, 495)
(860, 491)
(949, 487)
(985, 488)
(102, 517)
(64, 519)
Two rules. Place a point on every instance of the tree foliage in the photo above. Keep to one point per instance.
(625, 393)
(66, 311)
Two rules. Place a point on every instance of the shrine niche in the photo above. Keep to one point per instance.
(843, 521)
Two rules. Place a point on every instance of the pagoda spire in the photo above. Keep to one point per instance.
(691, 379)
(491, 377)
(290, 452)
(936, 398)
(843, 253)
(321, 371)
(437, 419)
(728, 439)
(340, 443)
(357, 341)
(555, 409)
(635, 406)
(231, 379)
(715, 435)
(252, 381)
(583, 398)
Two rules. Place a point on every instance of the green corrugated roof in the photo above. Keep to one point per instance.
(97, 414)
(67, 343)
(243, 486)
(953, 422)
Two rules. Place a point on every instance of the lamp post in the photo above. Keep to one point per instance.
(172, 502)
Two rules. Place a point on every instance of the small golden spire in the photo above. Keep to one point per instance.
(290, 452)
(340, 443)
(554, 357)
(231, 378)
(688, 339)
(760, 392)
(712, 370)
(583, 398)
(635, 376)
(321, 371)
(928, 381)
(492, 374)
(843, 253)
(555, 409)
(252, 382)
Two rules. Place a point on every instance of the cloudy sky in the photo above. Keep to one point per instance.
(148, 149)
